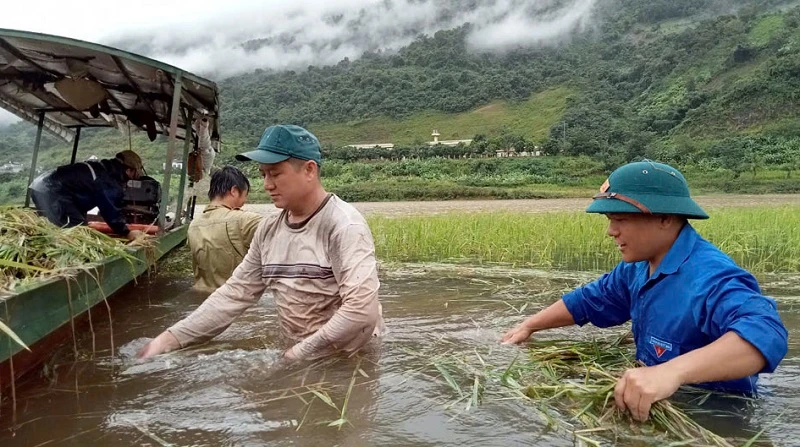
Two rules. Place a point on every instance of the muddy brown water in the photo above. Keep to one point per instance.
(233, 391)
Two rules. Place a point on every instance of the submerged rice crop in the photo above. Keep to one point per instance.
(570, 385)
(759, 239)
(32, 248)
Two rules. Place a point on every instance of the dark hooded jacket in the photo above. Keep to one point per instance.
(102, 186)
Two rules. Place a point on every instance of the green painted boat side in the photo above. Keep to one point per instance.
(41, 314)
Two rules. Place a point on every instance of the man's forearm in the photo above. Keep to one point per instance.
(209, 320)
(555, 315)
(729, 357)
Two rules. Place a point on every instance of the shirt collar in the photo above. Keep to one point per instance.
(214, 207)
(679, 251)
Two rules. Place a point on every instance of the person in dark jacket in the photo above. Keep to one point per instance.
(65, 194)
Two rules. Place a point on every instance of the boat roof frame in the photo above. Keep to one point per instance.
(140, 92)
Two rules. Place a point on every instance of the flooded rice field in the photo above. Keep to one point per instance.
(233, 391)
(534, 205)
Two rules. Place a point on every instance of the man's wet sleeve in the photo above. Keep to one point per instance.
(242, 290)
(604, 302)
(739, 307)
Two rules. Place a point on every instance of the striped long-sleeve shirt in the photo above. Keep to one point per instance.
(323, 274)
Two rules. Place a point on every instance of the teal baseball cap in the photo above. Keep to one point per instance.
(646, 187)
(284, 141)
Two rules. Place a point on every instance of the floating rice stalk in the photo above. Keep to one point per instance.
(62, 440)
(449, 379)
(305, 415)
(314, 390)
(474, 400)
(7, 330)
(342, 419)
(150, 435)
(323, 396)
(755, 437)
(572, 386)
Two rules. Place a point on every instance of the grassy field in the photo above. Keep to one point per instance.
(531, 119)
(765, 29)
(759, 239)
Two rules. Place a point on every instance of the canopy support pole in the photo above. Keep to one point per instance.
(173, 135)
(32, 173)
(75, 145)
(187, 143)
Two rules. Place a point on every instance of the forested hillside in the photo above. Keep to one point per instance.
(693, 82)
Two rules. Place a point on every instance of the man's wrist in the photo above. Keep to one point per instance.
(678, 369)
(168, 341)
(531, 324)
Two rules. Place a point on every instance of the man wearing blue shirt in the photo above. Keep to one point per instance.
(697, 317)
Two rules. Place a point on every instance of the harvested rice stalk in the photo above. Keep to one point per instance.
(32, 248)
(572, 385)
(149, 245)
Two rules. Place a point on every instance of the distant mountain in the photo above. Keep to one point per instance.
(676, 80)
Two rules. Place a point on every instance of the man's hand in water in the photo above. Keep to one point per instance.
(289, 355)
(165, 342)
(517, 335)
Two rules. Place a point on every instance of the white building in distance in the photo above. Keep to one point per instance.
(435, 134)
(371, 145)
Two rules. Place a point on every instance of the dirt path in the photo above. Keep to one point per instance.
(535, 205)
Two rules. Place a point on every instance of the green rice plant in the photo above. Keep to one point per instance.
(759, 239)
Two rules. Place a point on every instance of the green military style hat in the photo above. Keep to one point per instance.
(279, 143)
(646, 187)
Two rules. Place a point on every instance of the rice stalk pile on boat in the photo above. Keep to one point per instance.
(32, 248)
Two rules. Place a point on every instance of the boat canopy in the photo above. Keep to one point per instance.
(63, 85)
(81, 84)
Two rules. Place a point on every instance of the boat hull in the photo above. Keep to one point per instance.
(43, 314)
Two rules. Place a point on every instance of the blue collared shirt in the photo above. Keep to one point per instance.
(696, 295)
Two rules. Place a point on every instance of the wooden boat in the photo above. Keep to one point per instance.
(64, 85)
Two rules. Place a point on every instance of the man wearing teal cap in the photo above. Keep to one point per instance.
(317, 257)
(697, 317)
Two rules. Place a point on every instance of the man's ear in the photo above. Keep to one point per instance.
(311, 168)
(667, 220)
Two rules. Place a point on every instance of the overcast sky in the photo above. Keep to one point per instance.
(206, 36)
